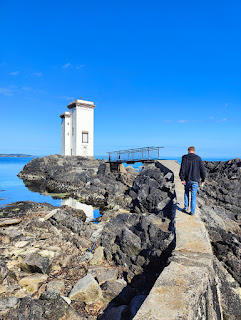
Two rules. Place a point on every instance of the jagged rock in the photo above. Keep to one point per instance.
(98, 256)
(22, 244)
(22, 208)
(103, 274)
(152, 192)
(111, 289)
(230, 292)
(50, 306)
(220, 204)
(8, 222)
(50, 214)
(8, 303)
(3, 289)
(60, 218)
(90, 180)
(129, 242)
(74, 212)
(47, 254)
(4, 271)
(222, 186)
(86, 290)
(32, 288)
(35, 263)
(10, 234)
(34, 278)
(134, 240)
(56, 285)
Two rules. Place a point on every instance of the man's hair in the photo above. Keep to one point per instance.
(191, 149)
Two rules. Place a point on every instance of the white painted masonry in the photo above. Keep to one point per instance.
(73, 203)
(77, 129)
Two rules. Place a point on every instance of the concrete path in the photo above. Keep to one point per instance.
(184, 288)
(195, 240)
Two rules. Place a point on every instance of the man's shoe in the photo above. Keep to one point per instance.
(185, 209)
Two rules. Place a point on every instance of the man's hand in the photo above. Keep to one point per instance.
(184, 183)
(202, 184)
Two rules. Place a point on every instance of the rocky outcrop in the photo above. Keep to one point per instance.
(225, 237)
(153, 191)
(34, 262)
(50, 305)
(86, 290)
(223, 188)
(87, 179)
(137, 242)
(53, 259)
(220, 205)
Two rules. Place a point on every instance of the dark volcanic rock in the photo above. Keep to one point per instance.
(152, 191)
(136, 241)
(230, 292)
(8, 303)
(111, 289)
(3, 271)
(220, 207)
(87, 179)
(35, 263)
(75, 224)
(223, 186)
(136, 245)
(220, 204)
(74, 212)
(50, 306)
(22, 208)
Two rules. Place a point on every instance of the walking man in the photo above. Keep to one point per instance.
(191, 171)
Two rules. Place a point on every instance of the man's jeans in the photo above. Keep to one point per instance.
(193, 186)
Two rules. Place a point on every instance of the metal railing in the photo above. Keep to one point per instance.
(135, 155)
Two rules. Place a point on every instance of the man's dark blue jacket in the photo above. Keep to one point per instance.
(192, 168)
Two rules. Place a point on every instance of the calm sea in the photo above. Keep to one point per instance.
(12, 188)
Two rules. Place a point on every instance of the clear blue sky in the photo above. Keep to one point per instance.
(160, 72)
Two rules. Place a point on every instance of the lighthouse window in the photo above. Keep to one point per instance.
(85, 137)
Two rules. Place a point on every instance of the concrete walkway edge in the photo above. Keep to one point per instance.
(187, 288)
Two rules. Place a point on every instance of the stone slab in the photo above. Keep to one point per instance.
(86, 290)
(8, 222)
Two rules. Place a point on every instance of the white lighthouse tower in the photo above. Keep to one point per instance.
(77, 129)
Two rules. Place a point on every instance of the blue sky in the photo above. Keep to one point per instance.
(161, 73)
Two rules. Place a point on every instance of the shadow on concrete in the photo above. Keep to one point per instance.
(181, 209)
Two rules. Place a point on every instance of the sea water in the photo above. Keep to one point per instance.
(13, 189)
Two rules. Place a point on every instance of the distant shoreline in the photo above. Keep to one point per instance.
(15, 155)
